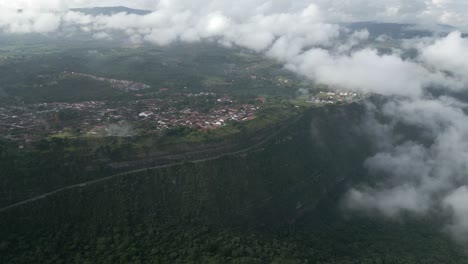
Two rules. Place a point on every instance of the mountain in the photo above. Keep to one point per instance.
(397, 30)
(275, 203)
(111, 10)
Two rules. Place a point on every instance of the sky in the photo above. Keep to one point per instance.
(421, 177)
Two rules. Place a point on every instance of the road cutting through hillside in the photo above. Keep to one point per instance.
(127, 173)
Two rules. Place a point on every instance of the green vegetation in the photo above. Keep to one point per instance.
(202, 67)
(186, 242)
(262, 191)
(58, 160)
(67, 90)
(277, 203)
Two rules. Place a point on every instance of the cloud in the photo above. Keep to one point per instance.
(423, 11)
(29, 22)
(390, 202)
(365, 71)
(255, 25)
(423, 175)
(287, 32)
(102, 35)
(48, 5)
(427, 173)
(448, 54)
(456, 202)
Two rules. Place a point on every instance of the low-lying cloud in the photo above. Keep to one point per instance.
(422, 175)
(448, 54)
(428, 12)
(428, 174)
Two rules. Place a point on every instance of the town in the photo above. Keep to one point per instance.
(201, 111)
(142, 111)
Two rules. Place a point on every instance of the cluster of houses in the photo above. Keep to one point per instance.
(215, 118)
(333, 98)
(28, 122)
(17, 118)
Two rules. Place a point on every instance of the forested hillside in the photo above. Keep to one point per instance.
(223, 210)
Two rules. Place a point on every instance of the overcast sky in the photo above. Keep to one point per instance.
(423, 11)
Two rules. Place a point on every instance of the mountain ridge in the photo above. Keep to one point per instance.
(111, 10)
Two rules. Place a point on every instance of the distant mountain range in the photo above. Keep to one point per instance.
(397, 30)
(111, 10)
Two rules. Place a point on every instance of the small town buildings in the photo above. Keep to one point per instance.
(146, 114)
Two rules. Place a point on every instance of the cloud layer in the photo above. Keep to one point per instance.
(428, 174)
(423, 11)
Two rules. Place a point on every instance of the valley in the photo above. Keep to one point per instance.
(118, 152)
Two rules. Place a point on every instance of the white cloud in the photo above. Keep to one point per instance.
(424, 11)
(366, 71)
(457, 203)
(448, 54)
(419, 176)
(102, 35)
(216, 23)
(390, 202)
(29, 22)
